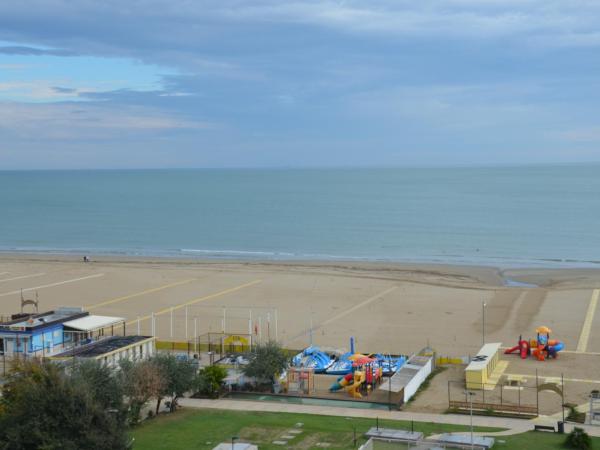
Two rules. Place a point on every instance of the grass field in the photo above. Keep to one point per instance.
(203, 429)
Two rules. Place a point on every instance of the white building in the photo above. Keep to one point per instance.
(112, 349)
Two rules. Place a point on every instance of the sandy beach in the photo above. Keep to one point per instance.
(388, 308)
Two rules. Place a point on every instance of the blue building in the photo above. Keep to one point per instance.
(39, 334)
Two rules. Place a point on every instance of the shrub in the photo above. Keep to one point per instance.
(209, 380)
(579, 439)
(267, 361)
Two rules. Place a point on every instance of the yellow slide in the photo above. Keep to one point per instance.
(359, 379)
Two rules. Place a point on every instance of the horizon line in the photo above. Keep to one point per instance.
(316, 167)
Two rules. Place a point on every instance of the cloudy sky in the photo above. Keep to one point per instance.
(182, 83)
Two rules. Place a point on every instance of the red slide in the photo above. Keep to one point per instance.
(512, 349)
(522, 348)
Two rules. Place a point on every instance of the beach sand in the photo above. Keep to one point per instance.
(396, 308)
(388, 308)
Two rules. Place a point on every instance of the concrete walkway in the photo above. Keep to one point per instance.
(511, 426)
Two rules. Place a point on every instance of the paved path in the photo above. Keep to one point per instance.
(511, 426)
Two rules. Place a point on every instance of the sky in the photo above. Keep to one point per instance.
(228, 83)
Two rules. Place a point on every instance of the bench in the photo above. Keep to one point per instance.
(544, 428)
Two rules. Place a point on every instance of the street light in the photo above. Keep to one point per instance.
(483, 305)
(233, 439)
(471, 394)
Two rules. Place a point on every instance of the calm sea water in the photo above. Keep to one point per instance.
(546, 215)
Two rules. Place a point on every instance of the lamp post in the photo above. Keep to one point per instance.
(483, 305)
(471, 394)
(233, 439)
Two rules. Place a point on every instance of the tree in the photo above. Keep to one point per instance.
(43, 407)
(579, 439)
(142, 381)
(104, 383)
(210, 379)
(267, 361)
(178, 375)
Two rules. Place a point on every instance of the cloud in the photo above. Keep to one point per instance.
(582, 135)
(64, 90)
(33, 51)
(14, 66)
(182, 33)
(302, 80)
(87, 121)
(33, 91)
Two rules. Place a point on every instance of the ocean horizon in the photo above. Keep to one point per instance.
(506, 216)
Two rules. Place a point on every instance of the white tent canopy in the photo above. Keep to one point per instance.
(91, 322)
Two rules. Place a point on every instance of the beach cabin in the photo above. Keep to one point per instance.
(481, 366)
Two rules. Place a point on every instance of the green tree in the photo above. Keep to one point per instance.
(104, 383)
(45, 408)
(179, 378)
(267, 361)
(579, 439)
(210, 379)
(142, 381)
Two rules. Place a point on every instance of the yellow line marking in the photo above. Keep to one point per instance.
(196, 300)
(355, 307)
(138, 294)
(23, 277)
(342, 314)
(587, 323)
(52, 284)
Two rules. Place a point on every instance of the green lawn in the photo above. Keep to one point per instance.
(203, 429)
(535, 440)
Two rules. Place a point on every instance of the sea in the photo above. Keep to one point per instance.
(525, 216)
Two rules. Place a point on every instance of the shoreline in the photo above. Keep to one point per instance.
(393, 308)
(496, 262)
(451, 274)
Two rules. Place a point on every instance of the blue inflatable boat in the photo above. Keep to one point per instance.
(312, 358)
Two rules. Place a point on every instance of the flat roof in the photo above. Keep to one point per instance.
(465, 439)
(480, 361)
(103, 346)
(405, 374)
(33, 321)
(91, 322)
(394, 434)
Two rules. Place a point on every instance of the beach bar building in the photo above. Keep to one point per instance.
(481, 366)
(50, 333)
(37, 334)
